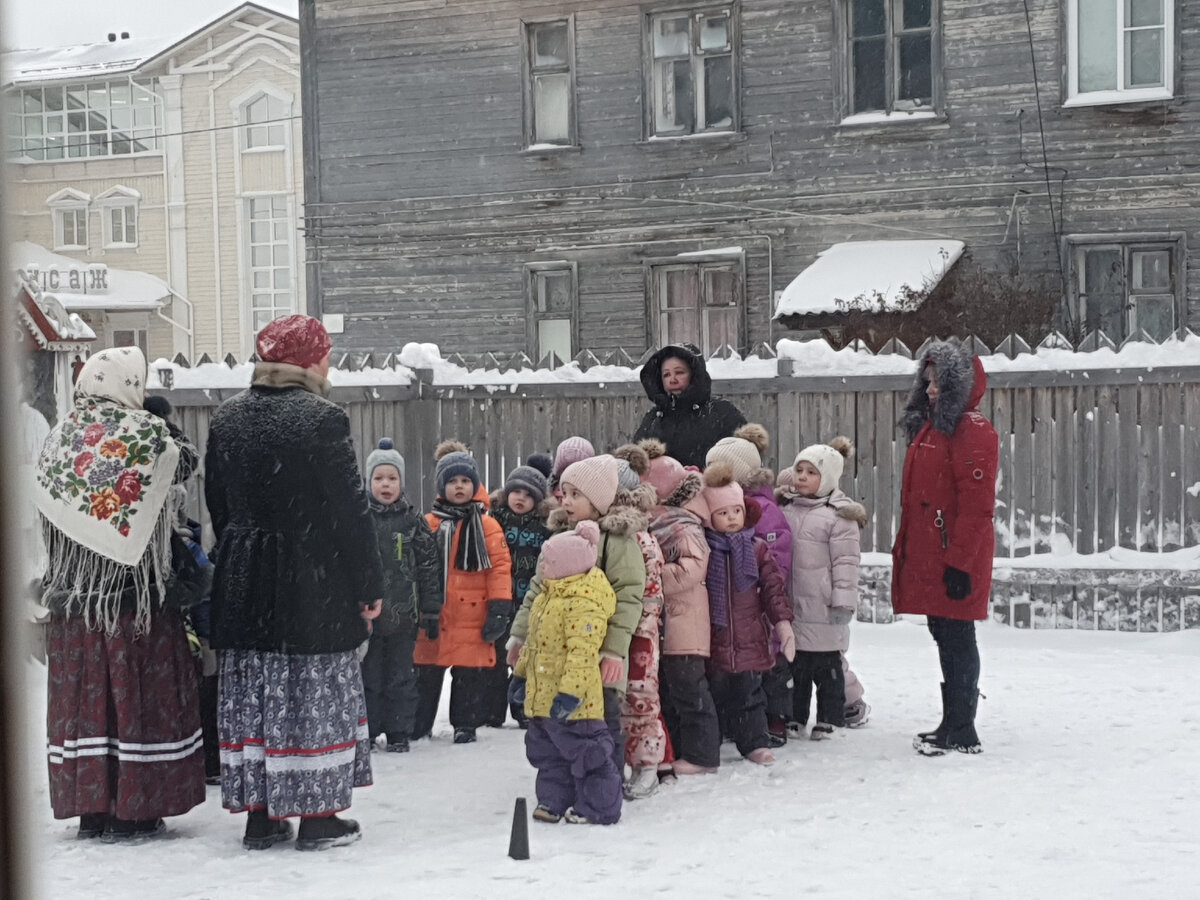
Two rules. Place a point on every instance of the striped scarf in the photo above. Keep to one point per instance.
(472, 553)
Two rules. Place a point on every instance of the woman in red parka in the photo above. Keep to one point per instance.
(942, 556)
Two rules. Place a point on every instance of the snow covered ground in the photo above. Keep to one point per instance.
(1087, 788)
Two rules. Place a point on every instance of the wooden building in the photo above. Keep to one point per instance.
(495, 175)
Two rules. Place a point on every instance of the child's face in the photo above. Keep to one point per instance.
(520, 502)
(729, 519)
(385, 484)
(807, 480)
(459, 489)
(578, 507)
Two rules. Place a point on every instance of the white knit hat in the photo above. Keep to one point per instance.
(595, 478)
(828, 459)
(743, 450)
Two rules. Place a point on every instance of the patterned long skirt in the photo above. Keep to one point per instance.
(293, 732)
(123, 719)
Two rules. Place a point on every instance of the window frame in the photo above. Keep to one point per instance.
(73, 202)
(701, 262)
(694, 11)
(248, 246)
(128, 201)
(530, 71)
(54, 123)
(1174, 242)
(844, 69)
(1073, 97)
(531, 271)
(248, 129)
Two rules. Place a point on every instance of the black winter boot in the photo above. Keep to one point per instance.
(959, 727)
(924, 736)
(262, 833)
(323, 832)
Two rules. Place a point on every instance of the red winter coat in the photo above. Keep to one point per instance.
(950, 468)
(743, 645)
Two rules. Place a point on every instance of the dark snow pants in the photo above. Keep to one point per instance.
(777, 685)
(742, 705)
(824, 668)
(390, 684)
(466, 697)
(958, 653)
(574, 762)
(495, 687)
(689, 710)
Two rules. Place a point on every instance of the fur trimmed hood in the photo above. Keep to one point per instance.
(688, 489)
(499, 498)
(961, 385)
(640, 498)
(619, 520)
(760, 477)
(285, 375)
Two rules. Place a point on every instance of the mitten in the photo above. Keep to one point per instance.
(563, 706)
(787, 640)
(516, 690)
(957, 582)
(429, 625)
(496, 625)
(839, 615)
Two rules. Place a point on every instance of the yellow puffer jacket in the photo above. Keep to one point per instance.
(566, 630)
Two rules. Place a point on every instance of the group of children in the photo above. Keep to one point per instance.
(647, 610)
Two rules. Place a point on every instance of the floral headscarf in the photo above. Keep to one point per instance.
(102, 485)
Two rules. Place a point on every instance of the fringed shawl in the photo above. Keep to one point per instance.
(103, 480)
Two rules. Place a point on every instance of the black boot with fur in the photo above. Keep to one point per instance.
(263, 832)
(324, 832)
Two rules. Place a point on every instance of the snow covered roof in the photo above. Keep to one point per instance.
(123, 289)
(868, 269)
(83, 61)
(47, 323)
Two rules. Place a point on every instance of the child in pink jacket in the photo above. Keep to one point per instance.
(677, 523)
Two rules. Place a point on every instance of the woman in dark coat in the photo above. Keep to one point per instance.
(685, 417)
(942, 556)
(297, 572)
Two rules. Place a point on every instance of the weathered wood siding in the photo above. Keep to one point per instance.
(423, 206)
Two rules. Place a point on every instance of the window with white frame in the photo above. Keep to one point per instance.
(1119, 50)
(69, 212)
(552, 309)
(550, 85)
(119, 216)
(1122, 284)
(890, 56)
(102, 118)
(269, 232)
(266, 120)
(693, 74)
(702, 303)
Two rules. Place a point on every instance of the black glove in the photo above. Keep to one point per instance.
(429, 625)
(958, 583)
(496, 625)
(563, 706)
(516, 690)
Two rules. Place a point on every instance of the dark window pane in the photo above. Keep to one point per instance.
(671, 37)
(868, 75)
(718, 92)
(917, 13)
(868, 18)
(550, 45)
(916, 80)
(1104, 290)
(1156, 316)
(554, 292)
(676, 105)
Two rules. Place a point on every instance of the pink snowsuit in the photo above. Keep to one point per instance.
(641, 707)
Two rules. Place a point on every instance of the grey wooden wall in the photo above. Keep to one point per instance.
(422, 206)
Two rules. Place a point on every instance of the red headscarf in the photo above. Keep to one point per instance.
(297, 340)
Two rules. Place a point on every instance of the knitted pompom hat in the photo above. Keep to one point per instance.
(627, 479)
(385, 454)
(571, 450)
(666, 473)
(571, 552)
(720, 489)
(595, 478)
(542, 462)
(743, 450)
(453, 464)
(529, 480)
(828, 459)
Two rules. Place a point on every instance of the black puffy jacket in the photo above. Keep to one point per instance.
(412, 568)
(690, 423)
(296, 553)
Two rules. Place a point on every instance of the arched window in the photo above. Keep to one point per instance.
(266, 119)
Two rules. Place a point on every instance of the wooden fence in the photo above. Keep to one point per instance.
(1090, 460)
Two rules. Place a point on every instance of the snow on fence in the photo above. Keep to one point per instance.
(1098, 501)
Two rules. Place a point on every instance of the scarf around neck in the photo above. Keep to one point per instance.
(472, 555)
(736, 548)
(102, 485)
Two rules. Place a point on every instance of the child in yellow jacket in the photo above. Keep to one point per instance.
(558, 680)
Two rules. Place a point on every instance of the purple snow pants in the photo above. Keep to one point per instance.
(574, 762)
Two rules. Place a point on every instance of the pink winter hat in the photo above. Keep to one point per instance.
(595, 478)
(720, 489)
(666, 473)
(571, 450)
(571, 552)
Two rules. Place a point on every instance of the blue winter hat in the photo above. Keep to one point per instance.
(385, 454)
(451, 466)
(542, 462)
